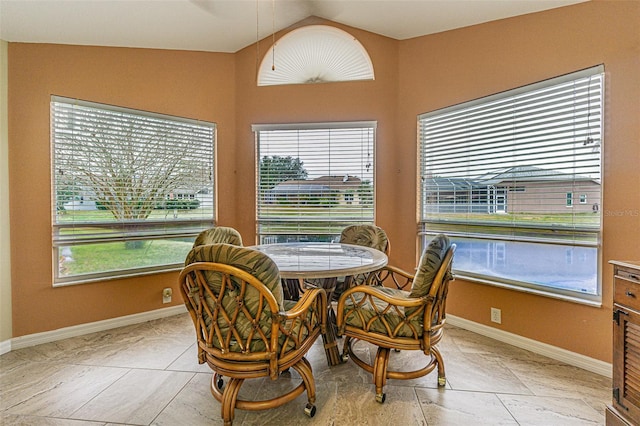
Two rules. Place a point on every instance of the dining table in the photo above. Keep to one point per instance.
(320, 264)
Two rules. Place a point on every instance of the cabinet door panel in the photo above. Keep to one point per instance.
(626, 362)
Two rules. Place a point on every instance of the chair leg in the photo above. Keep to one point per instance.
(345, 348)
(380, 373)
(303, 367)
(229, 397)
(442, 379)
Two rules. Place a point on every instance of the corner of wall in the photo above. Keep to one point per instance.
(5, 253)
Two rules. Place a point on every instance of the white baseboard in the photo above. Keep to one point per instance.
(563, 355)
(554, 352)
(5, 346)
(92, 327)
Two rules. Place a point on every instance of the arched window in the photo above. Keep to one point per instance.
(315, 54)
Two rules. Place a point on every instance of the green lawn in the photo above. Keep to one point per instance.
(103, 257)
(521, 218)
(114, 256)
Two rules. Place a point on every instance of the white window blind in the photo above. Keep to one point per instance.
(315, 54)
(314, 179)
(126, 184)
(501, 174)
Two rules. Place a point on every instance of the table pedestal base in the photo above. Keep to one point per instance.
(329, 338)
(292, 289)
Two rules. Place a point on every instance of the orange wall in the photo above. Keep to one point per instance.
(189, 84)
(456, 66)
(412, 77)
(346, 101)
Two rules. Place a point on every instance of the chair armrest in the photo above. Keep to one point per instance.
(396, 299)
(381, 310)
(304, 322)
(390, 276)
(310, 297)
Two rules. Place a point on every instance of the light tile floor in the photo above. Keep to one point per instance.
(147, 374)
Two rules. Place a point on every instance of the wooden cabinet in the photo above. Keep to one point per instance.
(625, 406)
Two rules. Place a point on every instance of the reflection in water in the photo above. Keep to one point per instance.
(549, 265)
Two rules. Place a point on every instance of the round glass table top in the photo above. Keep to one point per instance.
(323, 260)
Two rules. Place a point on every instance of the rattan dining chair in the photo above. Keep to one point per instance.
(218, 234)
(361, 235)
(391, 318)
(366, 235)
(234, 297)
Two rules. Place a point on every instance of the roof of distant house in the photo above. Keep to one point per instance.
(319, 184)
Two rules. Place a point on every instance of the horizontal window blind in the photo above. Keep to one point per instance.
(525, 160)
(121, 174)
(515, 178)
(314, 179)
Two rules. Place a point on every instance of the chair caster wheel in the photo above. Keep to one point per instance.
(381, 397)
(345, 357)
(310, 410)
(442, 381)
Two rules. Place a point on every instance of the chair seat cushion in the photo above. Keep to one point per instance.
(375, 315)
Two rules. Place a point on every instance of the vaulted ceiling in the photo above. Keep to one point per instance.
(230, 25)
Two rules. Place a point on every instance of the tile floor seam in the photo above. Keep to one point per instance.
(95, 396)
(346, 391)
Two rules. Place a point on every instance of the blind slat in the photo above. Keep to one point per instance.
(314, 179)
(114, 165)
(531, 155)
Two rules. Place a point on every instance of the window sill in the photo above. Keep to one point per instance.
(537, 292)
(94, 279)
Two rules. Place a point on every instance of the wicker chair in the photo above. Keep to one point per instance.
(391, 318)
(219, 234)
(361, 235)
(366, 235)
(234, 296)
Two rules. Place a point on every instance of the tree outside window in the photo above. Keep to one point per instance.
(131, 189)
(314, 179)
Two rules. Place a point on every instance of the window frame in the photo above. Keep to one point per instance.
(66, 138)
(425, 232)
(327, 230)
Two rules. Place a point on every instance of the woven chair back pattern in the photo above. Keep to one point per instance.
(237, 296)
(367, 236)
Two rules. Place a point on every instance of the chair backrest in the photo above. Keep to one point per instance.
(219, 234)
(366, 235)
(429, 265)
(432, 281)
(234, 295)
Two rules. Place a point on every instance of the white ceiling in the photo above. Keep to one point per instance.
(230, 25)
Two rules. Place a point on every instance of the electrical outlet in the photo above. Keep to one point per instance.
(496, 315)
(166, 295)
